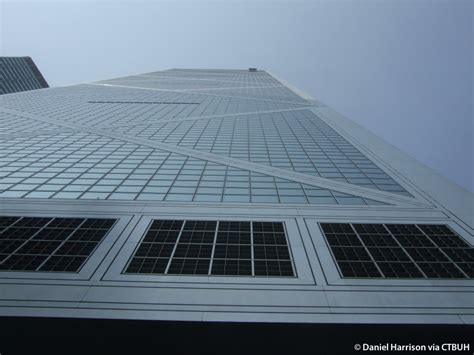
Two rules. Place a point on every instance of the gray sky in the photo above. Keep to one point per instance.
(401, 68)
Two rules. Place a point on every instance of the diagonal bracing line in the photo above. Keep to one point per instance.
(268, 170)
(195, 118)
(308, 104)
(173, 77)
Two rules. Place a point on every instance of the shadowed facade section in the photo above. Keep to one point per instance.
(20, 74)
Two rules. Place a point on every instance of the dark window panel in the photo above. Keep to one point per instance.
(39, 247)
(441, 270)
(234, 226)
(269, 238)
(413, 240)
(231, 267)
(230, 251)
(193, 251)
(65, 223)
(17, 262)
(436, 229)
(96, 223)
(468, 269)
(7, 246)
(390, 251)
(337, 228)
(373, 229)
(147, 265)
(350, 254)
(448, 241)
(76, 248)
(400, 270)
(155, 250)
(271, 252)
(6, 222)
(198, 237)
(404, 229)
(270, 227)
(53, 234)
(189, 266)
(37, 222)
(358, 269)
(54, 242)
(233, 237)
(63, 263)
(388, 254)
(161, 236)
(378, 240)
(200, 226)
(426, 254)
(87, 235)
(166, 225)
(273, 268)
(343, 240)
(16, 233)
(460, 255)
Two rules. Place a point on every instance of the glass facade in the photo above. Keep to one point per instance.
(247, 116)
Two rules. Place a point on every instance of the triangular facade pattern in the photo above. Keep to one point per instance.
(249, 116)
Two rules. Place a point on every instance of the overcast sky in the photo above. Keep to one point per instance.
(403, 69)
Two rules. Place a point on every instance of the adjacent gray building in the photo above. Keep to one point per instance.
(20, 74)
(221, 195)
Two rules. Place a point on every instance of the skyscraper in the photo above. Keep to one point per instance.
(20, 74)
(221, 195)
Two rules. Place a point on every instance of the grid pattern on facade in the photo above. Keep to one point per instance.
(240, 76)
(234, 248)
(49, 244)
(399, 251)
(214, 88)
(51, 160)
(72, 104)
(294, 140)
(13, 124)
(19, 74)
(85, 166)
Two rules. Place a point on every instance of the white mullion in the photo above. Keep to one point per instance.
(174, 248)
(213, 248)
(442, 252)
(251, 249)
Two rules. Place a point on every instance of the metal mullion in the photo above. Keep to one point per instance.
(87, 154)
(442, 251)
(38, 159)
(199, 181)
(116, 165)
(174, 248)
(200, 135)
(176, 177)
(288, 247)
(329, 247)
(367, 250)
(133, 170)
(13, 224)
(213, 248)
(216, 135)
(60, 245)
(404, 250)
(252, 256)
(26, 241)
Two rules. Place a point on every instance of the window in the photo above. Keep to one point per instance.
(213, 248)
(399, 251)
(49, 244)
